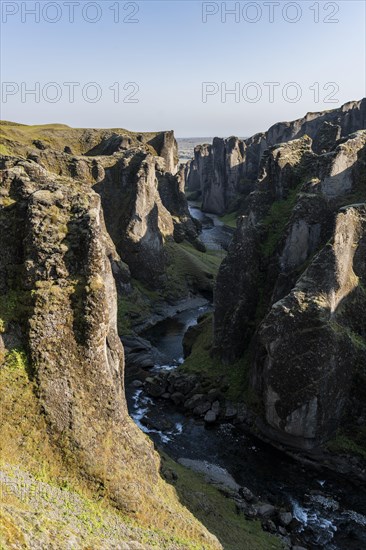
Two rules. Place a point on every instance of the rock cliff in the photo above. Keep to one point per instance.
(58, 308)
(225, 171)
(125, 169)
(288, 294)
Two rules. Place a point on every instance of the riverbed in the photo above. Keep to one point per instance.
(331, 511)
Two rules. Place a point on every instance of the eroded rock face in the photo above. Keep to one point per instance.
(135, 216)
(236, 303)
(219, 171)
(58, 261)
(310, 341)
(227, 170)
(291, 291)
(132, 173)
(72, 338)
(171, 191)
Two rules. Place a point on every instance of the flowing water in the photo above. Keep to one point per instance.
(331, 511)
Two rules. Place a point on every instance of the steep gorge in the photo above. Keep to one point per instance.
(290, 294)
(64, 414)
(95, 221)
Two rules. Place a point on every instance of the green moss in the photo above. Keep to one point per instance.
(132, 309)
(15, 306)
(276, 221)
(218, 513)
(353, 442)
(16, 360)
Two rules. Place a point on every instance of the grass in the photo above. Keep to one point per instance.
(33, 510)
(217, 512)
(234, 377)
(230, 219)
(23, 433)
(4, 150)
(190, 269)
(20, 137)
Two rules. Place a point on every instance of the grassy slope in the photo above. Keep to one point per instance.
(35, 477)
(41, 498)
(18, 138)
(202, 361)
(230, 219)
(217, 512)
(189, 269)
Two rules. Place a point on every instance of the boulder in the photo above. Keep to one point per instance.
(266, 510)
(285, 518)
(216, 407)
(177, 398)
(210, 417)
(155, 386)
(246, 494)
(230, 412)
(202, 408)
(195, 401)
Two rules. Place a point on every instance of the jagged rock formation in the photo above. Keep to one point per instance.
(58, 302)
(289, 293)
(225, 171)
(312, 341)
(132, 173)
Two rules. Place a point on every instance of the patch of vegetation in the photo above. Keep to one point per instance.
(230, 219)
(23, 432)
(234, 377)
(4, 150)
(21, 137)
(15, 306)
(133, 308)
(16, 360)
(190, 269)
(350, 442)
(217, 512)
(276, 221)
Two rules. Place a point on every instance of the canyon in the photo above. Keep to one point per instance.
(257, 247)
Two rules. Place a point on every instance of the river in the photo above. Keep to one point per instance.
(332, 511)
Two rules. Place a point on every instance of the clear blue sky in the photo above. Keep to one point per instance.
(170, 52)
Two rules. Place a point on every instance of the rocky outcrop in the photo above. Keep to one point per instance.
(219, 171)
(292, 271)
(171, 191)
(313, 340)
(136, 177)
(58, 302)
(135, 216)
(225, 171)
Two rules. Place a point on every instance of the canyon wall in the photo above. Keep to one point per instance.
(290, 291)
(59, 342)
(225, 172)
